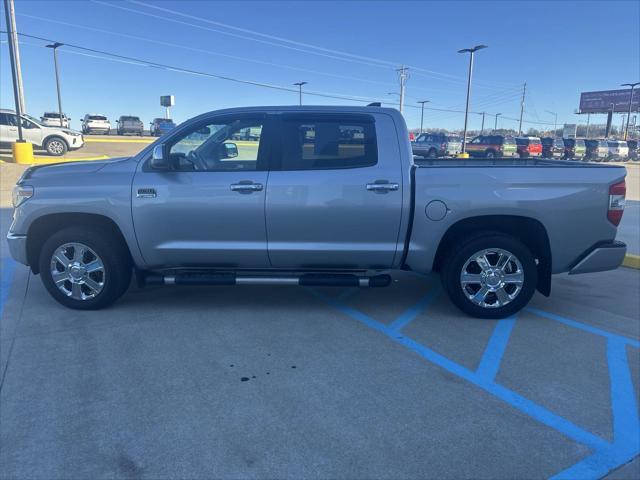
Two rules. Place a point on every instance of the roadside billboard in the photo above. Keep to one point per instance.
(600, 102)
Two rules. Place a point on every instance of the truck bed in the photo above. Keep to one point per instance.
(504, 162)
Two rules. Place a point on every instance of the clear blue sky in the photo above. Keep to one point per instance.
(559, 48)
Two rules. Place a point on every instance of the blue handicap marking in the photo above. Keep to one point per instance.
(606, 455)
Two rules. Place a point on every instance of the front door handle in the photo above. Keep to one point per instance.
(382, 187)
(246, 187)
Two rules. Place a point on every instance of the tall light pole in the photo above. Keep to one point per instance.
(12, 39)
(470, 51)
(632, 85)
(482, 127)
(555, 121)
(422, 102)
(299, 85)
(54, 47)
(403, 76)
(495, 125)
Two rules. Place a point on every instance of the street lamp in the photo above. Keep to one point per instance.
(555, 121)
(299, 85)
(422, 102)
(495, 125)
(632, 85)
(470, 51)
(54, 47)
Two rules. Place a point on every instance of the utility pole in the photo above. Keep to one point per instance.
(495, 125)
(588, 121)
(299, 85)
(524, 92)
(555, 121)
(403, 76)
(14, 55)
(470, 51)
(54, 47)
(482, 127)
(632, 85)
(422, 102)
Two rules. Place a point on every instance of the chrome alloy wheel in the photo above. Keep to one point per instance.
(492, 278)
(56, 147)
(77, 271)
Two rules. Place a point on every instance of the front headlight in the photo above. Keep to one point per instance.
(20, 194)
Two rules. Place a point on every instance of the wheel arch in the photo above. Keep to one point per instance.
(52, 136)
(43, 227)
(529, 231)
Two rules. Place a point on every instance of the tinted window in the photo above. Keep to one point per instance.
(324, 143)
(210, 148)
(508, 141)
(97, 117)
(51, 115)
(534, 141)
(569, 142)
(421, 138)
(580, 143)
(130, 119)
(453, 138)
(8, 119)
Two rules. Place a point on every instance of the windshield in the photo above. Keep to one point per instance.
(34, 120)
(454, 139)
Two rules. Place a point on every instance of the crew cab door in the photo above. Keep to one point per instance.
(334, 196)
(207, 209)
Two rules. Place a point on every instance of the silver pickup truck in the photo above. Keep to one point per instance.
(319, 196)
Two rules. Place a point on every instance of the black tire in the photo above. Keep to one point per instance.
(463, 251)
(111, 251)
(490, 154)
(432, 153)
(56, 146)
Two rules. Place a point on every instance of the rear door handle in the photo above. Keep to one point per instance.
(246, 187)
(382, 187)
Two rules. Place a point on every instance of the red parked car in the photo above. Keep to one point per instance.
(529, 147)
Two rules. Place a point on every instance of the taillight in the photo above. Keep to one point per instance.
(617, 193)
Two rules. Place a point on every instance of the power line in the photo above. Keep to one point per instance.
(208, 52)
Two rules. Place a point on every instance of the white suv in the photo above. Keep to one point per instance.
(52, 119)
(95, 122)
(55, 140)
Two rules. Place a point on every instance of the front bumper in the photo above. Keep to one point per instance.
(607, 256)
(18, 247)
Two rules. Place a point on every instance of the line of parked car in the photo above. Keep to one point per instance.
(434, 145)
(96, 123)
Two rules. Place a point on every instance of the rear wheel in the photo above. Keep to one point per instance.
(432, 153)
(490, 154)
(85, 269)
(490, 275)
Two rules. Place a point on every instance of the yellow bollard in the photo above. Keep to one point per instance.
(22, 152)
(463, 155)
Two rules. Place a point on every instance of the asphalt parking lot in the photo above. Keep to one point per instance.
(255, 382)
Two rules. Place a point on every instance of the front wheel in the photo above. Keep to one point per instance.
(56, 146)
(490, 154)
(490, 275)
(432, 153)
(85, 269)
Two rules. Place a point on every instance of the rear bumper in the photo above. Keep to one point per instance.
(607, 256)
(18, 247)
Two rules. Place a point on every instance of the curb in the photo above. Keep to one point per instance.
(631, 261)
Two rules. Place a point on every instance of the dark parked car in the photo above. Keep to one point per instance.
(130, 124)
(552, 147)
(434, 145)
(160, 126)
(492, 146)
(529, 147)
(574, 148)
(596, 150)
(633, 149)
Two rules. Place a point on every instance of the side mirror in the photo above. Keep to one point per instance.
(230, 150)
(158, 160)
